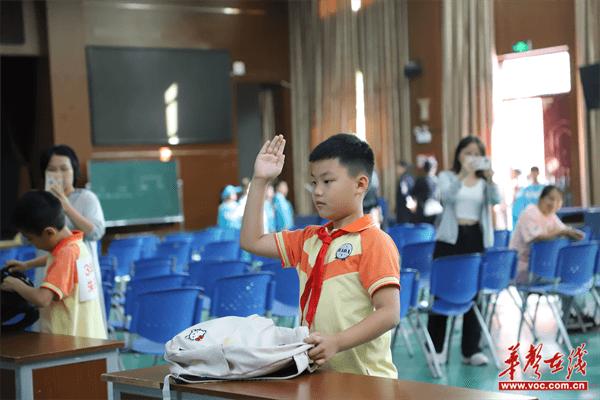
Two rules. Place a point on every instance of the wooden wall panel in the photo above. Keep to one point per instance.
(258, 36)
(425, 46)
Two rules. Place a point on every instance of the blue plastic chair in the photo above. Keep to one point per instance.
(418, 256)
(206, 273)
(179, 250)
(126, 251)
(150, 267)
(575, 270)
(591, 219)
(243, 295)
(204, 237)
(498, 269)
(137, 286)
(221, 251)
(287, 290)
(149, 243)
(454, 285)
(403, 234)
(501, 238)
(8, 254)
(160, 315)
(543, 258)
(595, 291)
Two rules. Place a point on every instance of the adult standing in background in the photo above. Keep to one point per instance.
(527, 195)
(83, 211)
(425, 193)
(284, 212)
(403, 190)
(467, 193)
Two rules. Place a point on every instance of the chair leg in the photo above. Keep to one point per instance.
(535, 312)
(409, 347)
(435, 368)
(561, 325)
(395, 335)
(487, 336)
(448, 339)
(519, 304)
(420, 340)
(596, 298)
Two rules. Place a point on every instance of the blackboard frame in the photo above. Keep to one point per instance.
(167, 219)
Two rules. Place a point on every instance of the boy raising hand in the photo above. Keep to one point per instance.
(348, 268)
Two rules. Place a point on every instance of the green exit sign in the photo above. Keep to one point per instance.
(521, 46)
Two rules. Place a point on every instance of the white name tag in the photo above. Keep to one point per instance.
(88, 288)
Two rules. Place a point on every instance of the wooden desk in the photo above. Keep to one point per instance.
(146, 383)
(45, 366)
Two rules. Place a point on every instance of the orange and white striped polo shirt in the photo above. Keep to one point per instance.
(356, 265)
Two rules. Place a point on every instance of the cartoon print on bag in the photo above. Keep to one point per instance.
(196, 335)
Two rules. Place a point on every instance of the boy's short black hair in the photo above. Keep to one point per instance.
(351, 152)
(37, 210)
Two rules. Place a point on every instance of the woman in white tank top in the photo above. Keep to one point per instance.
(464, 227)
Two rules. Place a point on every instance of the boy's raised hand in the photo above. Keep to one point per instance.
(269, 160)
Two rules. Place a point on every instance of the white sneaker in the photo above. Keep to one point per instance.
(476, 359)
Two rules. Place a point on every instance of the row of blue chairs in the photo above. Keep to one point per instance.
(567, 270)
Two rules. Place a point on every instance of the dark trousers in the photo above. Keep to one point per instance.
(470, 240)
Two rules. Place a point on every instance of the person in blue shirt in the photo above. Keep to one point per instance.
(269, 210)
(528, 195)
(284, 212)
(230, 212)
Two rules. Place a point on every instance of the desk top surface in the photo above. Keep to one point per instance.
(325, 384)
(26, 347)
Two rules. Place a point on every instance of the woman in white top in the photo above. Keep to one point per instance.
(82, 207)
(467, 193)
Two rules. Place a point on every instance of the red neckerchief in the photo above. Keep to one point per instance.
(315, 281)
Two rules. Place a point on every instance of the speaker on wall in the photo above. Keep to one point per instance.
(590, 80)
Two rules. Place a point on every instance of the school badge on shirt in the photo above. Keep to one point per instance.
(344, 251)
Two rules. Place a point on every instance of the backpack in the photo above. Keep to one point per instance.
(236, 348)
(12, 305)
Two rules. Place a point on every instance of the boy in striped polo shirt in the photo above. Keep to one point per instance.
(348, 268)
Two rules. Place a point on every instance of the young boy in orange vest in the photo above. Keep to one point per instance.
(348, 268)
(69, 294)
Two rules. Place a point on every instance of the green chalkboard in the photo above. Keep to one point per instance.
(134, 192)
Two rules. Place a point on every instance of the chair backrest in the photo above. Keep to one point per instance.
(180, 250)
(591, 218)
(455, 279)
(498, 267)
(260, 260)
(287, 288)
(597, 265)
(241, 295)
(137, 286)
(25, 253)
(407, 285)
(221, 251)
(179, 237)
(160, 315)
(418, 256)
(149, 243)
(403, 234)
(501, 238)
(126, 253)
(202, 238)
(576, 263)
(544, 256)
(206, 273)
(7, 254)
(150, 267)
